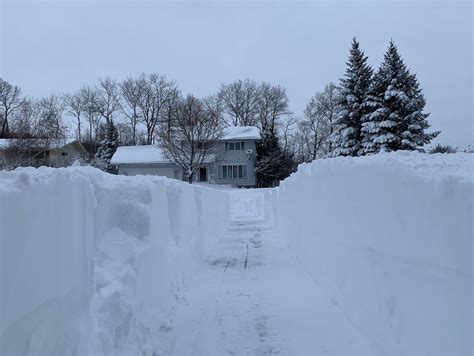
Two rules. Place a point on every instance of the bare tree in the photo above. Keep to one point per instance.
(328, 104)
(170, 109)
(26, 123)
(51, 116)
(215, 108)
(131, 93)
(156, 91)
(318, 123)
(75, 106)
(240, 102)
(106, 98)
(287, 128)
(193, 130)
(9, 102)
(32, 133)
(91, 115)
(272, 105)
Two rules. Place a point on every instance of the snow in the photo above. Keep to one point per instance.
(101, 258)
(241, 133)
(389, 237)
(4, 142)
(139, 154)
(368, 255)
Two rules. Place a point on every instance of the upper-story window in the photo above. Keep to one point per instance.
(235, 146)
(203, 145)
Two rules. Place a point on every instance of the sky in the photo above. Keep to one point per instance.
(59, 46)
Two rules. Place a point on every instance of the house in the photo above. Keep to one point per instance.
(231, 159)
(64, 155)
(37, 152)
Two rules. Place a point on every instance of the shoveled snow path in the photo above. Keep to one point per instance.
(252, 297)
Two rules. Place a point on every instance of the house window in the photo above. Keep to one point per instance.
(234, 146)
(204, 145)
(233, 171)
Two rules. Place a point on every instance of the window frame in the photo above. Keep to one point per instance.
(232, 171)
(232, 146)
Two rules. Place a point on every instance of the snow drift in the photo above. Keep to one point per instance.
(390, 238)
(92, 263)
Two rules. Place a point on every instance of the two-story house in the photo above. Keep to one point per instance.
(231, 159)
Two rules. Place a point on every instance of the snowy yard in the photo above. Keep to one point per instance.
(371, 255)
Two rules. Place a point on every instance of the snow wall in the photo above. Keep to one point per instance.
(390, 238)
(92, 263)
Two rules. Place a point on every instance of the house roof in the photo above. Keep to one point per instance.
(41, 143)
(241, 133)
(146, 154)
(76, 144)
(139, 154)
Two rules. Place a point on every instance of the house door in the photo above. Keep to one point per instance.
(202, 174)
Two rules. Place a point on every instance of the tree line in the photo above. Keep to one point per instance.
(366, 112)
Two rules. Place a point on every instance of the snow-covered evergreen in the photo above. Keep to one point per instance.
(396, 121)
(273, 164)
(107, 148)
(353, 90)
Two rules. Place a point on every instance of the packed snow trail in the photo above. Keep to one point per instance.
(251, 297)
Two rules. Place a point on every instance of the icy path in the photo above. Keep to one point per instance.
(252, 297)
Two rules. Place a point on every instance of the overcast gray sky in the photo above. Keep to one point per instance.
(58, 46)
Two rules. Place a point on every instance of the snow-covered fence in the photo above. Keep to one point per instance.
(91, 263)
(390, 238)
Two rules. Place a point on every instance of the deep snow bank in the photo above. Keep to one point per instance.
(92, 263)
(390, 238)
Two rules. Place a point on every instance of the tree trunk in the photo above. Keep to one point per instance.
(5, 127)
(190, 178)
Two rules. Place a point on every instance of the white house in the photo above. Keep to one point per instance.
(232, 160)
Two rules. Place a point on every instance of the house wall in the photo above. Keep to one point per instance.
(158, 169)
(64, 156)
(224, 157)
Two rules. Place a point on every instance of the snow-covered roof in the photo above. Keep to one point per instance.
(241, 133)
(4, 142)
(139, 154)
(38, 143)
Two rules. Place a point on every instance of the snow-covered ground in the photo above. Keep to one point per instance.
(349, 256)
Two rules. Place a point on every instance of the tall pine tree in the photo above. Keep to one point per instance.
(107, 147)
(353, 90)
(397, 121)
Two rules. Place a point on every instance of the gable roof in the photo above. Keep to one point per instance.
(76, 144)
(139, 154)
(241, 133)
(41, 143)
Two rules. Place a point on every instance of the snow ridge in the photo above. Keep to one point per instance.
(390, 238)
(109, 267)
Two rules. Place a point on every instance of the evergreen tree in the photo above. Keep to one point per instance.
(273, 164)
(108, 146)
(353, 90)
(397, 121)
